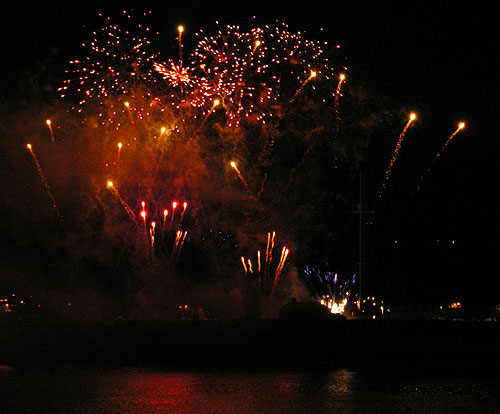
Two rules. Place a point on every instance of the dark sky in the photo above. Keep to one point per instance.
(439, 58)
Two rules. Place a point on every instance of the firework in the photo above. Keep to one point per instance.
(297, 55)
(240, 176)
(181, 243)
(250, 269)
(244, 264)
(279, 269)
(184, 207)
(236, 77)
(49, 125)
(119, 150)
(152, 235)
(44, 180)
(312, 75)
(269, 250)
(461, 126)
(336, 104)
(180, 29)
(165, 214)
(125, 206)
(174, 206)
(215, 104)
(176, 75)
(118, 64)
(178, 236)
(284, 254)
(394, 157)
(232, 68)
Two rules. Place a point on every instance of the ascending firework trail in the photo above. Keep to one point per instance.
(461, 126)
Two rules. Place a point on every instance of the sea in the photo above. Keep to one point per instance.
(85, 389)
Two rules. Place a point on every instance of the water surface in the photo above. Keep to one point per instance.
(73, 389)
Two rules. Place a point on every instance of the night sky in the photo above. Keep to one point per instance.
(439, 60)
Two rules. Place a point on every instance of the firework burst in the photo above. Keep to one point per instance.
(118, 63)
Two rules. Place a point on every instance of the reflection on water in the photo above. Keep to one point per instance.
(89, 390)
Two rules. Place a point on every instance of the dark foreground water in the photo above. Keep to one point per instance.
(73, 389)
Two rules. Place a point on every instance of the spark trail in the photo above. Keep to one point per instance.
(125, 206)
(240, 176)
(336, 105)
(49, 125)
(312, 75)
(44, 181)
(394, 158)
(279, 269)
(461, 126)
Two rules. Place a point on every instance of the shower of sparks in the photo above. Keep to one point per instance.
(343, 289)
(232, 67)
(118, 63)
(242, 69)
(394, 157)
(44, 180)
(298, 55)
